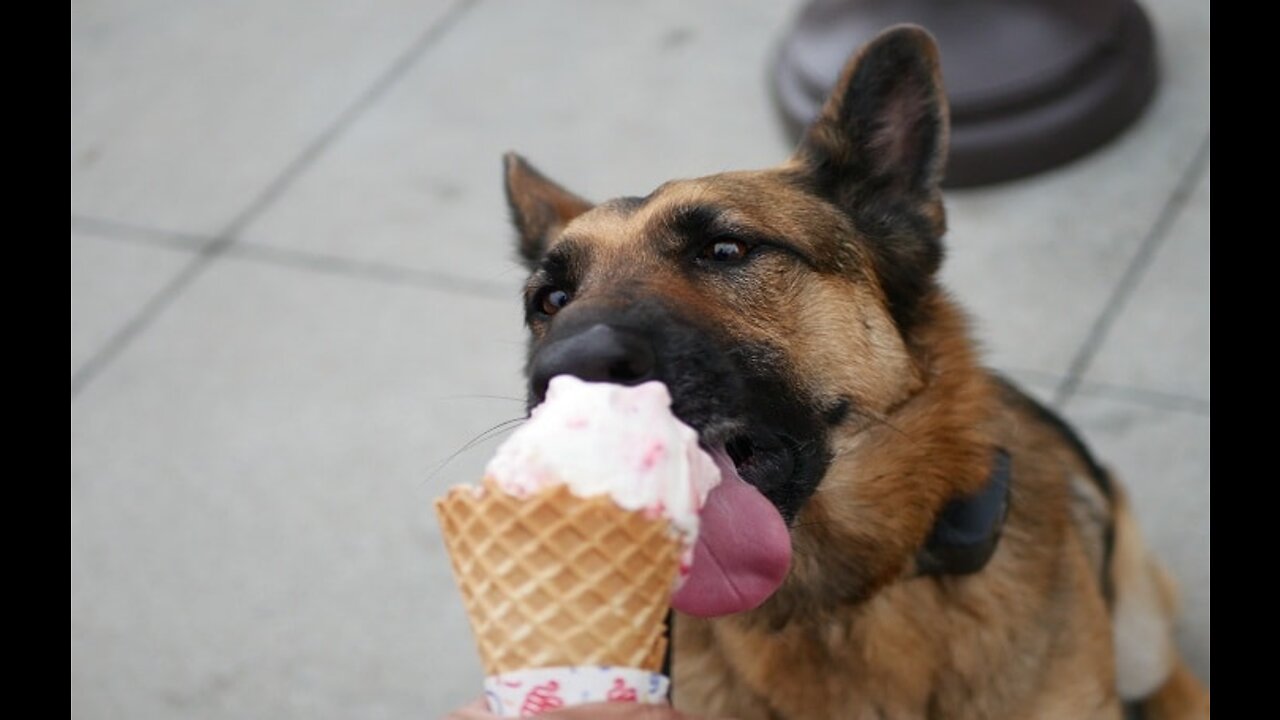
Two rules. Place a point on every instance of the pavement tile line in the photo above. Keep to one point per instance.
(1130, 394)
(1153, 399)
(375, 271)
(139, 234)
(1134, 273)
(297, 259)
(83, 376)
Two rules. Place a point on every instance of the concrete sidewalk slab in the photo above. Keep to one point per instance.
(1160, 340)
(607, 99)
(110, 283)
(184, 112)
(252, 533)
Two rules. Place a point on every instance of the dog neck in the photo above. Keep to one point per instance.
(934, 456)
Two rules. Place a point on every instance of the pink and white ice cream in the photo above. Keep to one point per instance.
(606, 439)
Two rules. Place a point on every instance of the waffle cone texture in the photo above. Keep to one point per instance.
(555, 579)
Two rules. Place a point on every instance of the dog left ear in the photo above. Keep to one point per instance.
(539, 207)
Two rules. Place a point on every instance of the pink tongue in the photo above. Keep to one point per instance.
(743, 551)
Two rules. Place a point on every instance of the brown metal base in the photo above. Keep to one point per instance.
(1032, 83)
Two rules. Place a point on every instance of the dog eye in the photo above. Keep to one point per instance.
(551, 300)
(727, 250)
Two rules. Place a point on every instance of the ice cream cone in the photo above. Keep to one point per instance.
(553, 579)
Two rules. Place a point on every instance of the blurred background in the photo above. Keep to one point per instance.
(294, 298)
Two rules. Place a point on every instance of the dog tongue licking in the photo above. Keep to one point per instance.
(743, 550)
(624, 442)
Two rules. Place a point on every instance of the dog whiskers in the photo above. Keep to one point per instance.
(489, 434)
(482, 397)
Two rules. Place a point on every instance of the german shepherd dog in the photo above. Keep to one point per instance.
(947, 546)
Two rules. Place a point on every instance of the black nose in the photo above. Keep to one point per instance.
(601, 353)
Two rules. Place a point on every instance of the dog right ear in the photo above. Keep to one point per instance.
(882, 133)
(539, 207)
(877, 151)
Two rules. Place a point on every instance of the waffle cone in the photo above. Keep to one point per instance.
(555, 579)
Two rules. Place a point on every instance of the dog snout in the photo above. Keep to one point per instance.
(600, 353)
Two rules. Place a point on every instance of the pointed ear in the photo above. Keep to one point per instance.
(539, 207)
(876, 151)
(882, 134)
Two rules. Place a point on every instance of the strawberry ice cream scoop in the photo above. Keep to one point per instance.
(607, 439)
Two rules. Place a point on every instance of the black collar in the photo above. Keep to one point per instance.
(966, 533)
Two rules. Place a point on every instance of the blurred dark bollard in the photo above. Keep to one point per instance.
(1032, 83)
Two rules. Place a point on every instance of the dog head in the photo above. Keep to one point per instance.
(787, 310)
